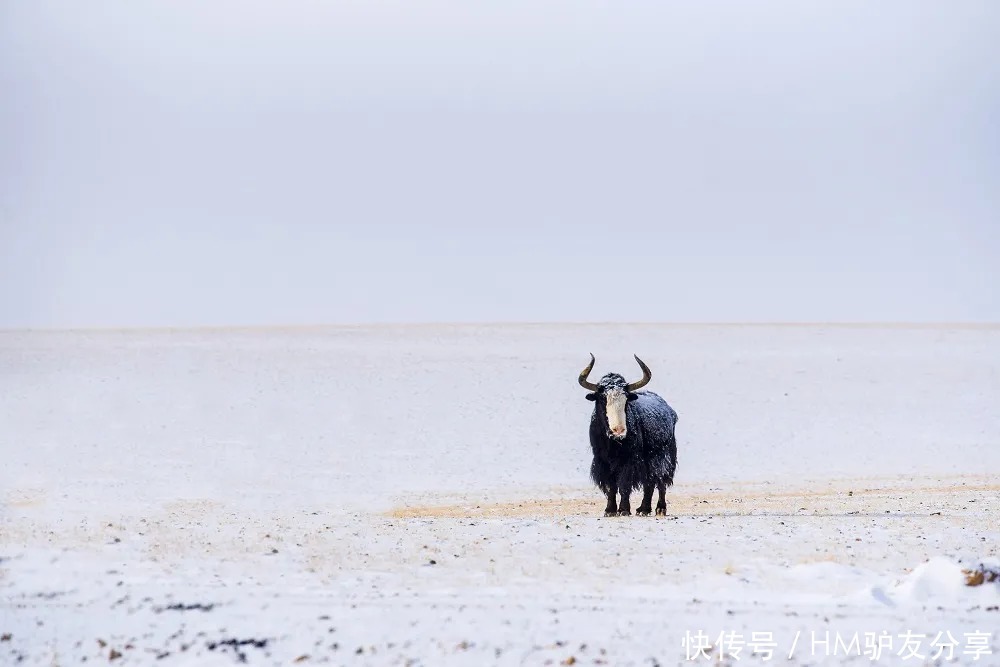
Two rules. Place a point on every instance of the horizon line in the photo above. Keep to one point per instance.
(527, 323)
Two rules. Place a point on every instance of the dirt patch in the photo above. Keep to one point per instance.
(868, 497)
(23, 498)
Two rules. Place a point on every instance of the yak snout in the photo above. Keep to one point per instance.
(615, 401)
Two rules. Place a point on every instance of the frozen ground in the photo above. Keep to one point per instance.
(419, 495)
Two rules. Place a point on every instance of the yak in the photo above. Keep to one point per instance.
(633, 441)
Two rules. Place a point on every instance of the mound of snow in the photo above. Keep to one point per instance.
(941, 579)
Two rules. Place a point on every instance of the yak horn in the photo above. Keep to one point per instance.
(646, 376)
(590, 386)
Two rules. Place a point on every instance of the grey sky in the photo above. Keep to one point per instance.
(184, 163)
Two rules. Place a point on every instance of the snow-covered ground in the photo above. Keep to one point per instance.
(419, 495)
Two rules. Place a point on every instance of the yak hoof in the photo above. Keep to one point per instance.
(642, 511)
(610, 512)
(625, 513)
(661, 511)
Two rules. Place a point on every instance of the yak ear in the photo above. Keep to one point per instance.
(592, 396)
(632, 396)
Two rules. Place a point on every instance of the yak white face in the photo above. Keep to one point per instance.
(615, 405)
(613, 394)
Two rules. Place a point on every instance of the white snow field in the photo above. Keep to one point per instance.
(419, 495)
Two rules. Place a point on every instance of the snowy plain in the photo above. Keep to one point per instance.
(419, 495)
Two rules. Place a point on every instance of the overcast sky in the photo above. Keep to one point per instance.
(186, 163)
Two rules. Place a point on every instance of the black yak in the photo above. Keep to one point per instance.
(632, 437)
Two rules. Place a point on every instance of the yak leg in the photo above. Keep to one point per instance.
(647, 499)
(624, 508)
(611, 509)
(661, 504)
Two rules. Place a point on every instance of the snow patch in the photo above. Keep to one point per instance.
(943, 579)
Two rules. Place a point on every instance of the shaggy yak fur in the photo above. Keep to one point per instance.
(644, 456)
